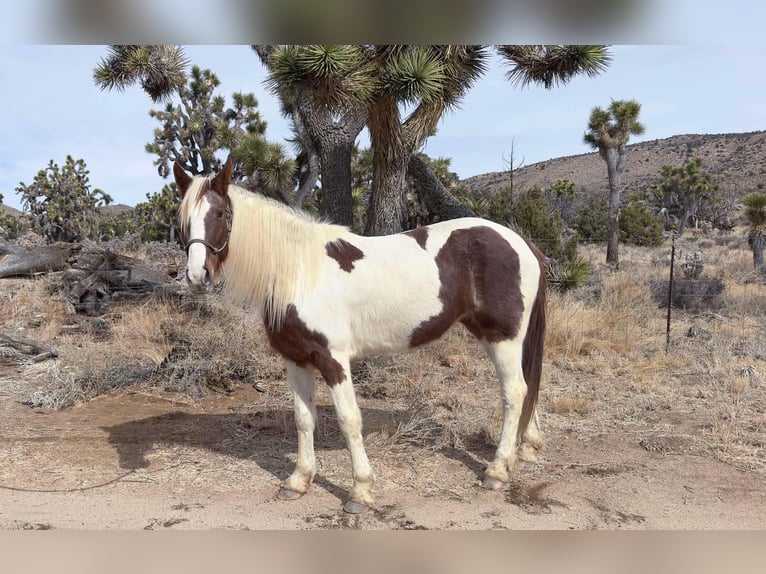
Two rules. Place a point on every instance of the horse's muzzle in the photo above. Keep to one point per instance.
(199, 287)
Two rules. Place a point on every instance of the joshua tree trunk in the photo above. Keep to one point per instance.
(758, 242)
(332, 141)
(441, 204)
(391, 154)
(335, 202)
(614, 161)
(385, 213)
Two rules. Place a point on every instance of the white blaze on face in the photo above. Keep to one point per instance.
(195, 266)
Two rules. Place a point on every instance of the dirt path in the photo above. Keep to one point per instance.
(137, 460)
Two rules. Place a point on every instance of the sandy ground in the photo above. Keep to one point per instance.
(138, 459)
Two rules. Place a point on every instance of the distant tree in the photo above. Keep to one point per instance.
(61, 203)
(683, 189)
(157, 216)
(561, 195)
(200, 125)
(512, 167)
(755, 212)
(608, 132)
(10, 226)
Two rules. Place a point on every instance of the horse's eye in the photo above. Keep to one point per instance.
(219, 215)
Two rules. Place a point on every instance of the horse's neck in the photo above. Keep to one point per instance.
(275, 254)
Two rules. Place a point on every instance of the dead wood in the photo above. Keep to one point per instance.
(18, 261)
(29, 346)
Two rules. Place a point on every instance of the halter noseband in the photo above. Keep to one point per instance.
(215, 250)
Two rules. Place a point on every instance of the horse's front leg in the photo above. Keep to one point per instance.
(303, 385)
(361, 497)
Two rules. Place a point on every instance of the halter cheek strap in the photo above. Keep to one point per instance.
(215, 250)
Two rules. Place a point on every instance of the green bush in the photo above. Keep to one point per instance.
(532, 217)
(10, 227)
(590, 221)
(639, 227)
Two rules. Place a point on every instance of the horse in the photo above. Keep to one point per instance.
(327, 296)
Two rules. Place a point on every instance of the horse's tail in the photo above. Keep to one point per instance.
(532, 350)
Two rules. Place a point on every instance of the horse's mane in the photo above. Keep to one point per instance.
(275, 252)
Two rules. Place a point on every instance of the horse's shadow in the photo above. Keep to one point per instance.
(266, 436)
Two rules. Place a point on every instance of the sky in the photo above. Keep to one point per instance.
(52, 108)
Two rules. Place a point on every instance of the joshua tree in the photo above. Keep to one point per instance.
(755, 212)
(608, 132)
(684, 188)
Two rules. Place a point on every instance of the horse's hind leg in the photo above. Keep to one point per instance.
(303, 384)
(350, 420)
(507, 358)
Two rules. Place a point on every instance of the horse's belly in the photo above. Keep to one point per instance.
(380, 337)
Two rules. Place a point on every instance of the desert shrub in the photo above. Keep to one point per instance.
(691, 294)
(533, 218)
(69, 386)
(570, 274)
(590, 222)
(639, 227)
(692, 265)
(211, 346)
(111, 226)
(11, 227)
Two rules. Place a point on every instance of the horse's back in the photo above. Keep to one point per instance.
(390, 293)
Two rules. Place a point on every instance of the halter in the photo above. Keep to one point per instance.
(215, 250)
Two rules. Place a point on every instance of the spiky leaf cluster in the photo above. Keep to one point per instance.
(553, 65)
(160, 70)
(611, 128)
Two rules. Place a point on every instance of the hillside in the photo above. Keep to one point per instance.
(737, 160)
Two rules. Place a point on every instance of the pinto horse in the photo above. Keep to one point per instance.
(327, 296)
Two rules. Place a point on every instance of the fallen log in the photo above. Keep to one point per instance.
(40, 350)
(17, 261)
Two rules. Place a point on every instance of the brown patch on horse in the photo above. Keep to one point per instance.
(216, 229)
(480, 285)
(295, 341)
(419, 234)
(344, 253)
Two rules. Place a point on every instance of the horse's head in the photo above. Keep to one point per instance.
(205, 218)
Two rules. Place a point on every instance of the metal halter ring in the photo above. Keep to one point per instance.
(215, 250)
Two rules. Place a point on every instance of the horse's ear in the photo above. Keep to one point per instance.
(183, 181)
(220, 182)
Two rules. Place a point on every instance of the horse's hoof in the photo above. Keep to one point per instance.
(493, 483)
(287, 494)
(354, 507)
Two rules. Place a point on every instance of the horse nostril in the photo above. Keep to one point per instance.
(207, 276)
